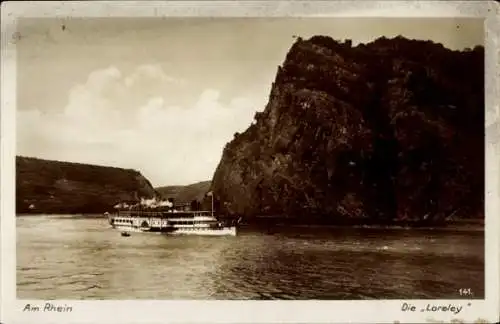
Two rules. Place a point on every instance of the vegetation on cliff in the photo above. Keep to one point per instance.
(387, 131)
(54, 187)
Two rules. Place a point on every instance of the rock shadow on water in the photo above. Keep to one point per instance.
(301, 266)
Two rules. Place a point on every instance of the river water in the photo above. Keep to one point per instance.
(82, 258)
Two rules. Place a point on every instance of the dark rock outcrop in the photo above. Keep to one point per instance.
(55, 187)
(385, 131)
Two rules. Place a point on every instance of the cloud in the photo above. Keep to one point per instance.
(150, 72)
(109, 121)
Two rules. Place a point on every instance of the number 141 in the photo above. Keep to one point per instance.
(465, 292)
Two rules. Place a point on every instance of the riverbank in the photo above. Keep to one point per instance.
(63, 215)
(454, 228)
(472, 224)
(466, 225)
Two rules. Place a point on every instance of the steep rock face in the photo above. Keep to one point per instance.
(390, 130)
(63, 187)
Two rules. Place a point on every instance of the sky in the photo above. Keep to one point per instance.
(164, 95)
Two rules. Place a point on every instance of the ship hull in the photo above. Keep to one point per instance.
(224, 231)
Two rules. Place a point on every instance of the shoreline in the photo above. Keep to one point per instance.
(467, 225)
(376, 227)
(89, 215)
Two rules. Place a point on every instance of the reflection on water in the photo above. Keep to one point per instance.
(65, 258)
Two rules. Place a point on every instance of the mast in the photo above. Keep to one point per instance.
(211, 194)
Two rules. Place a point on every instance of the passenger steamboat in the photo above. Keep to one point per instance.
(151, 217)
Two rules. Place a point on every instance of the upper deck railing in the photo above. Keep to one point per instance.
(162, 213)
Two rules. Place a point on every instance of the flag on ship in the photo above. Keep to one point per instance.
(209, 194)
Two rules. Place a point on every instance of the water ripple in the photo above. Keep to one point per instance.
(67, 258)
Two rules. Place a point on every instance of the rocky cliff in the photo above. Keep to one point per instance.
(385, 131)
(55, 187)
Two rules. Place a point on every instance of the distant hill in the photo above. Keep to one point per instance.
(195, 191)
(55, 187)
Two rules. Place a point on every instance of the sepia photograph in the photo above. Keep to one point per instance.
(197, 158)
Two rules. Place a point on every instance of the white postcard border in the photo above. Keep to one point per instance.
(380, 311)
